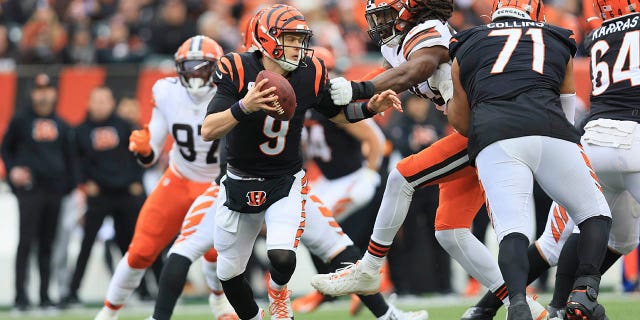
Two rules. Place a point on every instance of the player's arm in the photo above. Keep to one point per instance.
(357, 111)
(568, 93)
(219, 122)
(417, 69)
(364, 132)
(457, 109)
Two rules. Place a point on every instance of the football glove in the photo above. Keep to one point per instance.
(344, 91)
(440, 83)
(139, 142)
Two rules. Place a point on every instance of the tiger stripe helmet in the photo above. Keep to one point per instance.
(527, 9)
(249, 41)
(610, 9)
(195, 62)
(270, 27)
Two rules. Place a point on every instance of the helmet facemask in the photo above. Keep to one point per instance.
(196, 76)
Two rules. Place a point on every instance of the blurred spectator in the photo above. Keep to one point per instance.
(416, 128)
(129, 109)
(213, 26)
(118, 45)
(7, 52)
(80, 50)
(172, 28)
(38, 154)
(111, 178)
(43, 38)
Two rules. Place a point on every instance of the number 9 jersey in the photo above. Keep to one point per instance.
(177, 113)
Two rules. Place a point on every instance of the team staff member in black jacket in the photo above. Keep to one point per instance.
(38, 155)
(110, 175)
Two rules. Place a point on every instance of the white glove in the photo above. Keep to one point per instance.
(341, 92)
(440, 80)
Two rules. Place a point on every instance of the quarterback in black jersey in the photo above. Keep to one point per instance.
(265, 180)
(512, 79)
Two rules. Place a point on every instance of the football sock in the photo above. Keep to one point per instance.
(472, 255)
(392, 213)
(124, 281)
(592, 246)
(240, 296)
(514, 263)
(565, 274)
(171, 284)
(537, 264)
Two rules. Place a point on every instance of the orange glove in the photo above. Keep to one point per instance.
(139, 142)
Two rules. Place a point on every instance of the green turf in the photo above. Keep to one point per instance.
(619, 307)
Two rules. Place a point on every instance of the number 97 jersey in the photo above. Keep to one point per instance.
(176, 113)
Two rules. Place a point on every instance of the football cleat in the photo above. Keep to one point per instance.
(479, 313)
(221, 308)
(538, 312)
(555, 313)
(280, 303)
(582, 303)
(519, 309)
(107, 314)
(396, 314)
(350, 279)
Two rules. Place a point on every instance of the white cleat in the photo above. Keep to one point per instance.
(538, 312)
(397, 314)
(347, 280)
(221, 308)
(107, 314)
(280, 303)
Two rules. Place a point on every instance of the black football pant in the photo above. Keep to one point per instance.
(39, 211)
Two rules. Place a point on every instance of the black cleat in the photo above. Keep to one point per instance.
(582, 303)
(556, 313)
(519, 308)
(479, 313)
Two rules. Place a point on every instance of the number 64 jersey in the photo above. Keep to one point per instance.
(177, 113)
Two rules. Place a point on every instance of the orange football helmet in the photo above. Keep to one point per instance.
(195, 62)
(249, 34)
(272, 24)
(610, 9)
(390, 20)
(531, 9)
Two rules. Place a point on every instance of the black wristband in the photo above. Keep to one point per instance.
(237, 112)
(357, 111)
(362, 90)
(146, 160)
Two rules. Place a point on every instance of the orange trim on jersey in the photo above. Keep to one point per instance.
(211, 192)
(201, 206)
(238, 62)
(556, 233)
(419, 38)
(319, 72)
(227, 65)
(373, 73)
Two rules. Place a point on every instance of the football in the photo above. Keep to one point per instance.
(286, 103)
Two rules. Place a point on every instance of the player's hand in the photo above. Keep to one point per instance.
(370, 177)
(440, 82)
(20, 176)
(341, 91)
(139, 141)
(383, 101)
(258, 99)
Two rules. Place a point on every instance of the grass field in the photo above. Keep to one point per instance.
(619, 307)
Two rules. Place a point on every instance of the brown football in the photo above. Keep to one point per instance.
(286, 103)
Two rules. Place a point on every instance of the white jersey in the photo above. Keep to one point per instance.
(178, 114)
(430, 33)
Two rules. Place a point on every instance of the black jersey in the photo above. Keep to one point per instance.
(335, 151)
(261, 145)
(615, 73)
(512, 71)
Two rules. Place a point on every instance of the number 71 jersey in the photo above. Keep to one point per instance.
(176, 113)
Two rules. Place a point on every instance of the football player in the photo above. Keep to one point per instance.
(264, 154)
(414, 39)
(180, 106)
(535, 141)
